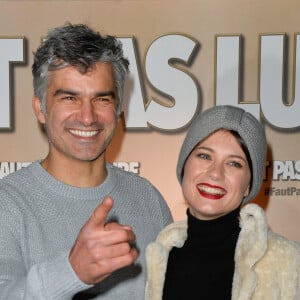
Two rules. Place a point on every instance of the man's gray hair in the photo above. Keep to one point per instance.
(81, 47)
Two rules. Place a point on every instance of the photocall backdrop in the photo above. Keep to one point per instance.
(186, 56)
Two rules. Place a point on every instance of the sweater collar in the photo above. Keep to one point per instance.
(55, 186)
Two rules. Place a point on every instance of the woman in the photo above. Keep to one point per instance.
(222, 251)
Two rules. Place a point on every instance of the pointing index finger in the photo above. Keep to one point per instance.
(99, 215)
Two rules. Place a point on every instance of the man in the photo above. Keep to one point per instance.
(61, 218)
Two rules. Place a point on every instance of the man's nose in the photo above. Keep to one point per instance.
(87, 113)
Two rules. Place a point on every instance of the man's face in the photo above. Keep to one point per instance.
(80, 118)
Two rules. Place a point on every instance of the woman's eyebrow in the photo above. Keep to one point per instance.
(231, 155)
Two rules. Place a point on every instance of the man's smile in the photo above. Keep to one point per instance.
(84, 133)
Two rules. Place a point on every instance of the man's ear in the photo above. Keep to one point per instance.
(36, 105)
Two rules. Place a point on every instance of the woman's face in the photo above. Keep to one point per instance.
(216, 176)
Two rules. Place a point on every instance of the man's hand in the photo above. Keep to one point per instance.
(101, 248)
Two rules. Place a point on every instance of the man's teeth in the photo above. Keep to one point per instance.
(84, 133)
(211, 190)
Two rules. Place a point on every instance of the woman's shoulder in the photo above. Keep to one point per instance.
(263, 242)
(252, 213)
(283, 247)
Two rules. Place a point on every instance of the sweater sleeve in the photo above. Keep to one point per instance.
(53, 280)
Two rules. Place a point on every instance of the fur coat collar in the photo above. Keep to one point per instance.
(267, 266)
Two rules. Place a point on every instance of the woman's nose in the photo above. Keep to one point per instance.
(216, 171)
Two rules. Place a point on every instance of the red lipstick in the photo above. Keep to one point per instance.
(212, 192)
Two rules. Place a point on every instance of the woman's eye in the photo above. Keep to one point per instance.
(236, 164)
(203, 155)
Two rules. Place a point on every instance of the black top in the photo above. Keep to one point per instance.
(203, 268)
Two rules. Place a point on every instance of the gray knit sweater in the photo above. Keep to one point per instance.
(40, 218)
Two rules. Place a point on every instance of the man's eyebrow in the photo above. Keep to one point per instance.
(106, 93)
(64, 92)
(74, 93)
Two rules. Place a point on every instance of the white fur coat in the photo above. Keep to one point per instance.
(267, 266)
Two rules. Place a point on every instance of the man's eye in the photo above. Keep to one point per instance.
(103, 99)
(69, 98)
